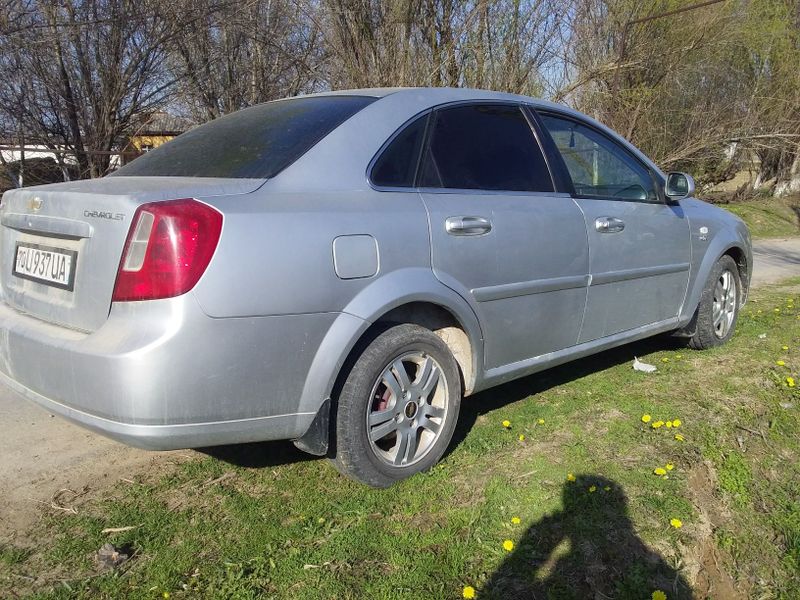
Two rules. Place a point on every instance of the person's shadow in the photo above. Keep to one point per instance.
(588, 550)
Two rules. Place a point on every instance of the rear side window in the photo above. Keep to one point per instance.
(485, 147)
(397, 165)
(256, 142)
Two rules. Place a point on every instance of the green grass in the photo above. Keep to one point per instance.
(280, 524)
(769, 218)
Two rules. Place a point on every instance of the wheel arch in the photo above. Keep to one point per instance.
(406, 296)
(718, 249)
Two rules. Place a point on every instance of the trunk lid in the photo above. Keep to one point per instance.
(80, 228)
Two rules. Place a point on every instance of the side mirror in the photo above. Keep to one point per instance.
(679, 186)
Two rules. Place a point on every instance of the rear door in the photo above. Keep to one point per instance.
(500, 234)
(638, 244)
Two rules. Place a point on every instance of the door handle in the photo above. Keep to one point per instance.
(609, 225)
(467, 225)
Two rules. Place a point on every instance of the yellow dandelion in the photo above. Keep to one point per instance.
(676, 523)
(659, 595)
(665, 359)
(777, 310)
(165, 595)
(676, 422)
(679, 437)
(469, 592)
(646, 418)
(521, 437)
(541, 421)
(592, 489)
(784, 348)
(668, 424)
(660, 471)
(508, 545)
(780, 363)
(790, 381)
(506, 423)
(657, 424)
(570, 477)
(516, 520)
(669, 466)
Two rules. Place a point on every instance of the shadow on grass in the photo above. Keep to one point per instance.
(587, 550)
(514, 391)
(259, 455)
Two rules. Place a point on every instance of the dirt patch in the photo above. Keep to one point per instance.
(704, 561)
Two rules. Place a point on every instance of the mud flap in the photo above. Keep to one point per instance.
(315, 440)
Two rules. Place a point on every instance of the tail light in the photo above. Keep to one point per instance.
(168, 249)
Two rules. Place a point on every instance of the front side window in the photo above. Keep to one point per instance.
(484, 147)
(256, 142)
(599, 167)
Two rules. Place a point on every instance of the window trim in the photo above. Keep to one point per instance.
(657, 183)
(535, 127)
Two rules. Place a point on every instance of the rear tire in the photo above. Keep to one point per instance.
(718, 309)
(398, 407)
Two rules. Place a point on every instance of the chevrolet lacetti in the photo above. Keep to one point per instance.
(341, 269)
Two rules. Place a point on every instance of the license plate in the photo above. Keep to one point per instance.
(51, 266)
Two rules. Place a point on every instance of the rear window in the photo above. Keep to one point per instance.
(256, 142)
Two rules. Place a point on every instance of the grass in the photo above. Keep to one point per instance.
(264, 520)
(769, 217)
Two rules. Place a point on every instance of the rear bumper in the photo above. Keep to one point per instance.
(163, 375)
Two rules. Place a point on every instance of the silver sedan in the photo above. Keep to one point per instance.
(342, 269)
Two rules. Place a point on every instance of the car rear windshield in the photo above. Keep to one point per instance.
(256, 142)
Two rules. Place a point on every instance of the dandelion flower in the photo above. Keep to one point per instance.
(570, 477)
(469, 592)
(508, 545)
(516, 520)
(646, 418)
(668, 424)
(676, 523)
(777, 310)
(790, 381)
(669, 466)
(660, 471)
(592, 489)
(784, 348)
(679, 437)
(165, 595)
(506, 423)
(676, 422)
(521, 437)
(657, 424)
(659, 595)
(780, 363)
(665, 359)
(541, 421)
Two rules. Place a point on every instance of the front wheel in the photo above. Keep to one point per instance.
(398, 407)
(719, 306)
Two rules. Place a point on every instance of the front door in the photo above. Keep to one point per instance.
(500, 234)
(638, 244)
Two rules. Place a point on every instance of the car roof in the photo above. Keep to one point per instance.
(326, 166)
